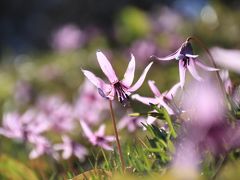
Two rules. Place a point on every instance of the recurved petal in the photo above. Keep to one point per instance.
(154, 88)
(145, 100)
(129, 74)
(207, 68)
(104, 89)
(182, 73)
(101, 130)
(166, 58)
(87, 131)
(173, 91)
(138, 84)
(110, 138)
(106, 147)
(106, 67)
(94, 79)
(193, 71)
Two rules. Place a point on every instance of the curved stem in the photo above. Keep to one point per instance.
(116, 135)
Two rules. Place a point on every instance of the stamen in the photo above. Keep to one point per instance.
(123, 98)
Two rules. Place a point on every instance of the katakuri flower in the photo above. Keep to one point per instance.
(161, 99)
(121, 88)
(131, 123)
(187, 60)
(70, 148)
(98, 138)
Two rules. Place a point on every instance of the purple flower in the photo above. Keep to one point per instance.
(120, 88)
(159, 99)
(97, 138)
(227, 58)
(90, 106)
(59, 113)
(68, 37)
(22, 127)
(41, 146)
(131, 123)
(11, 126)
(70, 148)
(187, 60)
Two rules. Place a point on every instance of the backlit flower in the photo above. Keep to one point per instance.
(161, 99)
(70, 148)
(98, 138)
(187, 60)
(120, 88)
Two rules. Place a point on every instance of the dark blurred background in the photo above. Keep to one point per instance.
(27, 25)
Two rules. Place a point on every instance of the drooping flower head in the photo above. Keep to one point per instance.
(187, 61)
(120, 88)
(98, 138)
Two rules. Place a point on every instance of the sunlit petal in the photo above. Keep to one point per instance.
(138, 84)
(129, 74)
(106, 67)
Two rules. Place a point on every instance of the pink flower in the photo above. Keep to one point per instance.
(227, 58)
(41, 146)
(131, 123)
(120, 88)
(22, 127)
(187, 60)
(58, 112)
(161, 99)
(68, 37)
(90, 106)
(97, 138)
(70, 148)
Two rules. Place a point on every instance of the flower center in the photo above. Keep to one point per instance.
(121, 94)
(100, 139)
(185, 61)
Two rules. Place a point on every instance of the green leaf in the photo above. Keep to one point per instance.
(13, 169)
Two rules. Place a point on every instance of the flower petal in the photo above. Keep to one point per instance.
(154, 88)
(167, 58)
(193, 71)
(172, 92)
(87, 131)
(150, 119)
(94, 79)
(169, 110)
(106, 147)
(129, 74)
(141, 79)
(191, 55)
(182, 72)
(106, 67)
(207, 68)
(145, 100)
(101, 130)
(110, 138)
(104, 89)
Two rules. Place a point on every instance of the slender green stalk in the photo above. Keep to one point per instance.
(116, 135)
(169, 122)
